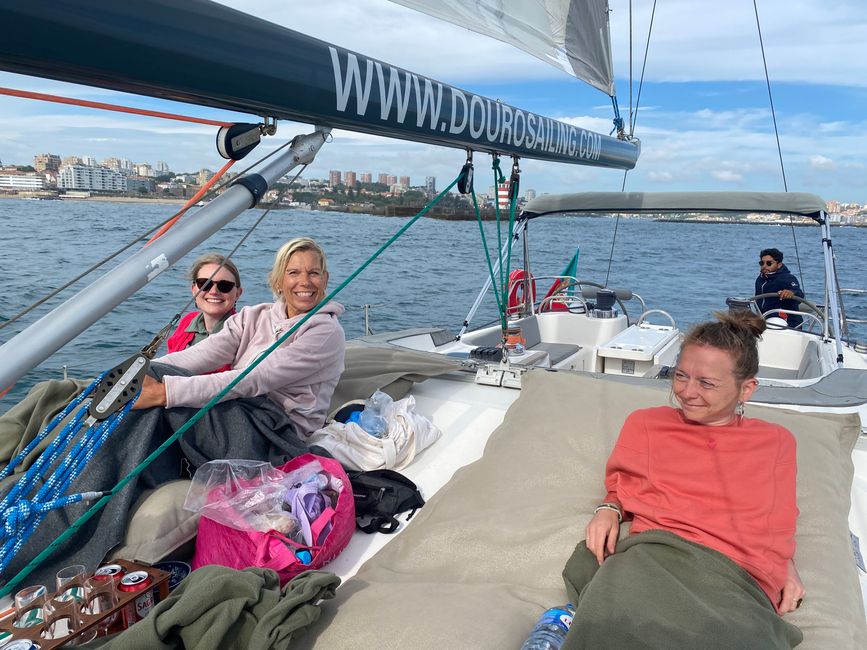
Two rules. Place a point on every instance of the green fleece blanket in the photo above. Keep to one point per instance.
(660, 591)
(218, 607)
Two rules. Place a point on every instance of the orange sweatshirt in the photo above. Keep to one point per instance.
(731, 488)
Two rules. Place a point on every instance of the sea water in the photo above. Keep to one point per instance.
(429, 277)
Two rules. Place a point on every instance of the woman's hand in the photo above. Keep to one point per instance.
(153, 393)
(793, 590)
(601, 533)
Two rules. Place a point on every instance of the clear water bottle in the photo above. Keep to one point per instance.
(551, 629)
(373, 417)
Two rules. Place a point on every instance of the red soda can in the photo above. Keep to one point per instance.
(109, 572)
(137, 581)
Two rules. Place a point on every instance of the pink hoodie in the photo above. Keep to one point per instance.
(300, 375)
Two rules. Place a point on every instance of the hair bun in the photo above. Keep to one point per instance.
(743, 321)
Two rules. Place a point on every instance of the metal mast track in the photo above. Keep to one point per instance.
(201, 52)
(38, 342)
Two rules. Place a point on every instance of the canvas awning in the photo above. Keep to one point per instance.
(798, 203)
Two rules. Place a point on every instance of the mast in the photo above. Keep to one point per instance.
(204, 53)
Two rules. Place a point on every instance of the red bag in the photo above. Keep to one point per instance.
(217, 543)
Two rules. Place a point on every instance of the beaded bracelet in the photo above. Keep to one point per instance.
(610, 506)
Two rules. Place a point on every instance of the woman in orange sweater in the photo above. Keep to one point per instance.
(714, 494)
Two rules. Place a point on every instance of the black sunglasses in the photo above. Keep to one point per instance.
(761, 263)
(223, 286)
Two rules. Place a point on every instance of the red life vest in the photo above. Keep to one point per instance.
(181, 339)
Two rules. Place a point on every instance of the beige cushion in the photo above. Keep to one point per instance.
(158, 524)
(483, 558)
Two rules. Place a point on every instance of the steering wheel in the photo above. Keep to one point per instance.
(814, 312)
(580, 283)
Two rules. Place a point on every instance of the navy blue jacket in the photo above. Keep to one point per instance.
(775, 282)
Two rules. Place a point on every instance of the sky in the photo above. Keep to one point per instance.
(704, 118)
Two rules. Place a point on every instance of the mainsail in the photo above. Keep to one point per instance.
(572, 35)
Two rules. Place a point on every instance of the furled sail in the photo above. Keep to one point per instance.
(571, 35)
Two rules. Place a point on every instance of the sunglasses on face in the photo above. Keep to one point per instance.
(767, 262)
(223, 286)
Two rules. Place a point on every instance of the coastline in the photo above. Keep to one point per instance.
(449, 214)
(99, 199)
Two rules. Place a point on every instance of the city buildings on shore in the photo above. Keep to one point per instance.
(52, 176)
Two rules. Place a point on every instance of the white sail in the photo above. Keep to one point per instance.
(571, 35)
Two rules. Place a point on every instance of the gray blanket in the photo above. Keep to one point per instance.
(660, 591)
(217, 607)
(253, 428)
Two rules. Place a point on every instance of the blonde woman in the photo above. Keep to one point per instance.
(266, 416)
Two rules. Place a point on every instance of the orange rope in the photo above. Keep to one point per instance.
(165, 227)
(108, 107)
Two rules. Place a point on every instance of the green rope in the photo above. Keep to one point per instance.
(499, 178)
(99, 505)
(505, 264)
(504, 278)
(496, 290)
(513, 203)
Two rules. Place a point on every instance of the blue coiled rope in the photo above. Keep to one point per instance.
(21, 516)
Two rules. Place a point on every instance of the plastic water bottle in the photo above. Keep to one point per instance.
(551, 629)
(372, 418)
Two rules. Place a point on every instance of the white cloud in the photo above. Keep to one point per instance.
(822, 162)
(661, 177)
(727, 176)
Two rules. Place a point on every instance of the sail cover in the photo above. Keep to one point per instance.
(571, 35)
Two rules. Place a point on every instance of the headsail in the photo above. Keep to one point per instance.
(572, 35)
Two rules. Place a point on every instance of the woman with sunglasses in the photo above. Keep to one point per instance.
(266, 416)
(710, 494)
(216, 287)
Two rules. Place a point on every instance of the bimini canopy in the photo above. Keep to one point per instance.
(797, 203)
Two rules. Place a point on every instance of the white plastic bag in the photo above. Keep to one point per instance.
(242, 494)
(251, 495)
(408, 434)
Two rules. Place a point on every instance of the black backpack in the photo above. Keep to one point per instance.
(381, 494)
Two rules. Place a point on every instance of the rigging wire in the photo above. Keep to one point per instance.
(643, 69)
(132, 243)
(633, 117)
(193, 200)
(771, 98)
(777, 136)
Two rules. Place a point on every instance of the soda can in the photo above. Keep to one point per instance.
(109, 572)
(134, 582)
(21, 644)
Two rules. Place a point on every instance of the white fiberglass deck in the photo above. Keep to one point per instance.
(467, 413)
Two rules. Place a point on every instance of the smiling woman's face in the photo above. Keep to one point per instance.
(304, 282)
(706, 387)
(215, 303)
